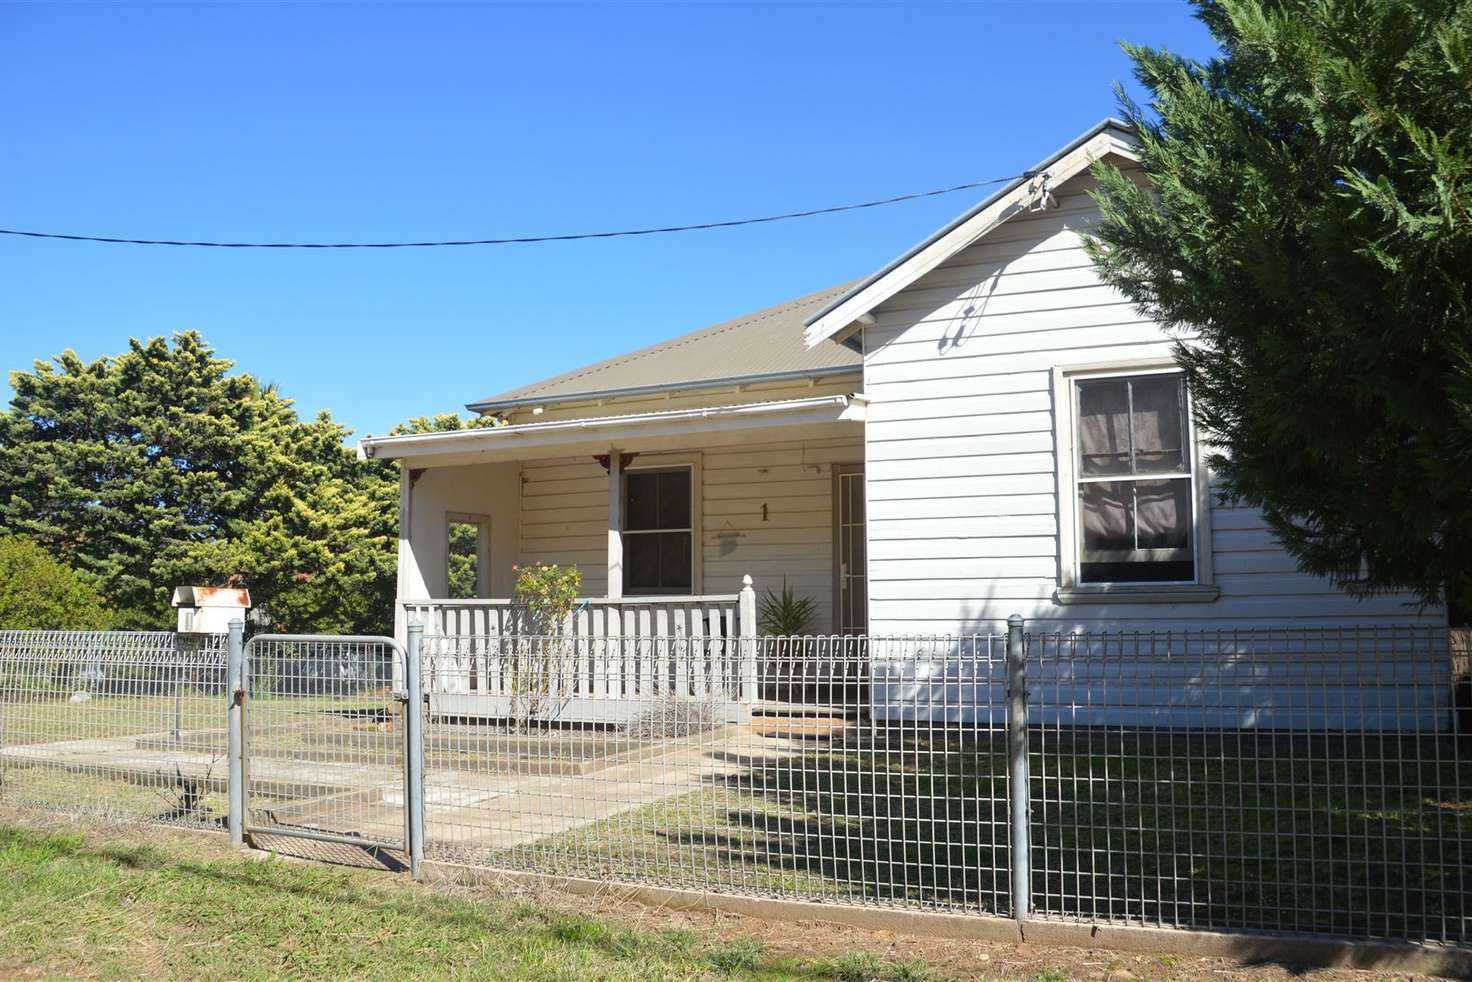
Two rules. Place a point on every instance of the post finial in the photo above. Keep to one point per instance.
(746, 582)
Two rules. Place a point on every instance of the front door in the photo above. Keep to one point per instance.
(850, 553)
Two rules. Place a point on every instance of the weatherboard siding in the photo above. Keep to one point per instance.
(959, 446)
(564, 516)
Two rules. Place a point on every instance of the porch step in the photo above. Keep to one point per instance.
(768, 707)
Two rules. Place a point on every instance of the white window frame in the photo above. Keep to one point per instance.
(651, 462)
(1065, 415)
(482, 550)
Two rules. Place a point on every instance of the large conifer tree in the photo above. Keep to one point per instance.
(158, 467)
(1308, 220)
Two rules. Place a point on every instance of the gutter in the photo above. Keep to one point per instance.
(470, 439)
(659, 388)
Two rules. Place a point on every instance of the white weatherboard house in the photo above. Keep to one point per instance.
(981, 428)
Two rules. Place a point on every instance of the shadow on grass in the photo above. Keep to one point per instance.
(1349, 835)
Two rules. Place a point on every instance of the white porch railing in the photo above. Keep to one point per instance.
(630, 617)
(630, 647)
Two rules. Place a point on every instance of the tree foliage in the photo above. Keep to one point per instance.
(1306, 227)
(39, 593)
(158, 467)
(444, 423)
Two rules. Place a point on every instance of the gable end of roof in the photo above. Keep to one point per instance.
(836, 319)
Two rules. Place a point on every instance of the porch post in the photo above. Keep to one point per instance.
(406, 554)
(615, 525)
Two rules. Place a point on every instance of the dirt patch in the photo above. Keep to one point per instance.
(947, 958)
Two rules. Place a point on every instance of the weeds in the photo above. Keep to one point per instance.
(738, 955)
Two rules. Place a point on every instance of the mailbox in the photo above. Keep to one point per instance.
(209, 609)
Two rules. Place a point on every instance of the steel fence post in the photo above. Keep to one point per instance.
(414, 733)
(1017, 769)
(235, 687)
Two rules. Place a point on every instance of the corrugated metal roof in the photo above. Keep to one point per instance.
(767, 343)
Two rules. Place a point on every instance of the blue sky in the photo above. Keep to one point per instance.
(410, 121)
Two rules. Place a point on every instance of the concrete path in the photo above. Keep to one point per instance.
(465, 808)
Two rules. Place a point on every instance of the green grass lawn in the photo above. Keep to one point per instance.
(73, 905)
(48, 716)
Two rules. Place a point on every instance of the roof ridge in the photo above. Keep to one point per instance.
(689, 338)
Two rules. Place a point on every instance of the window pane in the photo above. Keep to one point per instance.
(674, 499)
(641, 562)
(1163, 514)
(658, 562)
(1103, 427)
(1169, 571)
(674, 561)
(1159, 447)
(641, 500)
(1136, 532)
(1107, 511)
(463, 559)
(855, 490)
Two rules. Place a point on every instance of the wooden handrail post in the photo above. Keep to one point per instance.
(746, 628)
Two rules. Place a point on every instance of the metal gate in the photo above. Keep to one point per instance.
(325, 732)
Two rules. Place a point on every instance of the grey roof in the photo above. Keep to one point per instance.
(1108, 122)
(766, 345)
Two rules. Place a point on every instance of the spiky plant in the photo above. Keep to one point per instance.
(786, 614)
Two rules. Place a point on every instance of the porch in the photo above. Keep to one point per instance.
(678, 521)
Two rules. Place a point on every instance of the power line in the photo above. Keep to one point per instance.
(517, 240)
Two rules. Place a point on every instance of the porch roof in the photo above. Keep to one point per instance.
(673, 427)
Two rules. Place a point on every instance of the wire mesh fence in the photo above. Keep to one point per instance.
(1306, 781)
(643, 764)
(1287, 780)
(120, 725)
(324, 740)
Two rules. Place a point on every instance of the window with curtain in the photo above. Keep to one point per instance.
(658, 532)
(1133, 475)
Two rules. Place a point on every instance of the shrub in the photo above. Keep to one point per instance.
(37, 592)
(672, 717)
(549, 593)
(539, 661)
